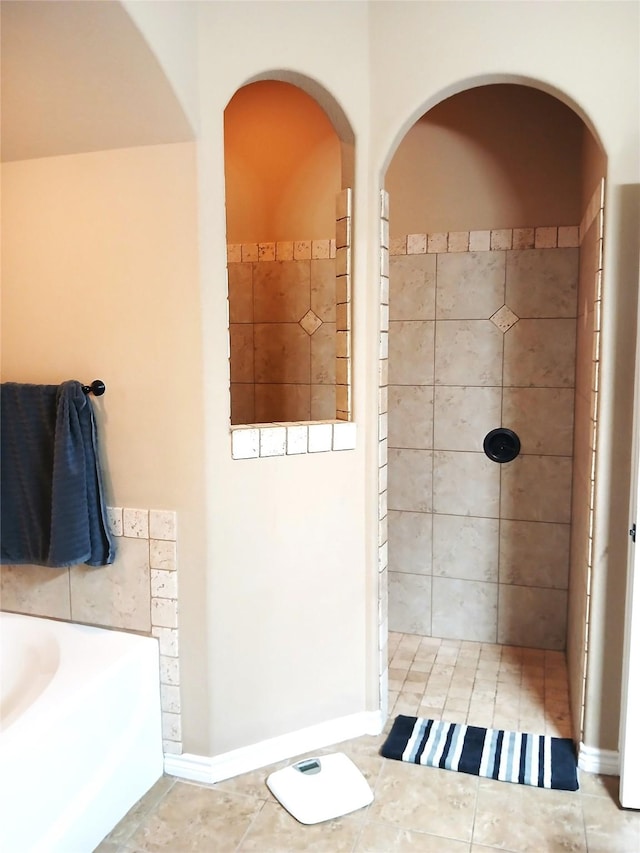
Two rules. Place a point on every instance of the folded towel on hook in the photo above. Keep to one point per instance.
(52, 510)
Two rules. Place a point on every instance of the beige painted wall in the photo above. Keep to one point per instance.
(100, 280)
(594, 167)
(491, 157)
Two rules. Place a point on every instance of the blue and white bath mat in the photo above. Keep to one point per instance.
(545, 762)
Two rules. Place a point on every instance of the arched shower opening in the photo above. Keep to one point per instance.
(492, 308)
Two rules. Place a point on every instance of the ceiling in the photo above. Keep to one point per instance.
(79, 77)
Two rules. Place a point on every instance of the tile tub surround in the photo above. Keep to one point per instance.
(138, 592)
(414, 808)
(482, 333)
(158, 529)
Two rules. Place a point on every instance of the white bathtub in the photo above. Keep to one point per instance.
(80, 732)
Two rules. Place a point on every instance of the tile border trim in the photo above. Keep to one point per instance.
(493, 240)
(159, 528)
(287, 250)
(256, 441)
(441, 242)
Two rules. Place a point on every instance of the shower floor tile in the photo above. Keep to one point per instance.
(480, 684)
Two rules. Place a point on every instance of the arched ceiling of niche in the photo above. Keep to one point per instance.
(79, 77)
(282, 165)
(330, 106)
(488, 157)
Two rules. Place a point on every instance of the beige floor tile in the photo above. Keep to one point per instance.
(382, 838)
(415, 808)
(430, 643)
(456, 704)
(397, 672)
(410, 689)
(193, 819)
(431, 712)
(425, 799)
(435, 698)
(403, 706)
(252, 784)
(454, 716)
(443, 668)
(465, 670)
(275, 831)
(595, 785)
(609, 828)
(400, 663)
(483, 684)
(142, 808)
(422, 664)
(108, 847)
(365, 754)
(552, 820)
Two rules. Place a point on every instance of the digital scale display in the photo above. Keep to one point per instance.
(309, 767)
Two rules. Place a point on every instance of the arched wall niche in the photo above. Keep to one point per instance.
(331, 107)
(448, 270)
(288, 171)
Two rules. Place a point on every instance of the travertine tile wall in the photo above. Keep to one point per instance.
(343, 306)
(290, 327)
(282, 328)
(482, 335)
(138, 592)
(383, 454)
(583, 492)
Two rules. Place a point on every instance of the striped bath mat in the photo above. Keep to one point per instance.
(545, 762)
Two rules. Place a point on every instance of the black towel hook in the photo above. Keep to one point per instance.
(97, 388)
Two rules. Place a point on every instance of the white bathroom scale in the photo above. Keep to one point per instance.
(317, 789)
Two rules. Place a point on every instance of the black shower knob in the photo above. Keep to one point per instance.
(501, 445)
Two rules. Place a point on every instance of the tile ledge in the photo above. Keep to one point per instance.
(314, 439)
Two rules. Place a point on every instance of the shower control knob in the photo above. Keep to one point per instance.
(501, 445)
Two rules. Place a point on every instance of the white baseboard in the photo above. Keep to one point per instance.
(606, 762)
(215, 768)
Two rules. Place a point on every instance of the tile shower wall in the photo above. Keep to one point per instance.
(282, 328)
(138, 592)
(482, 334)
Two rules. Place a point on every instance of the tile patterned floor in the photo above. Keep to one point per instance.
(415, 808)
(503, 687)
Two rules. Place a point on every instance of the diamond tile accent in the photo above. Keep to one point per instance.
(504, 318)
(310, 322)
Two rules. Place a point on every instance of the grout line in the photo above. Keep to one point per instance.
(250, 825)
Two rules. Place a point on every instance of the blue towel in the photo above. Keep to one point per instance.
(52, 511)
